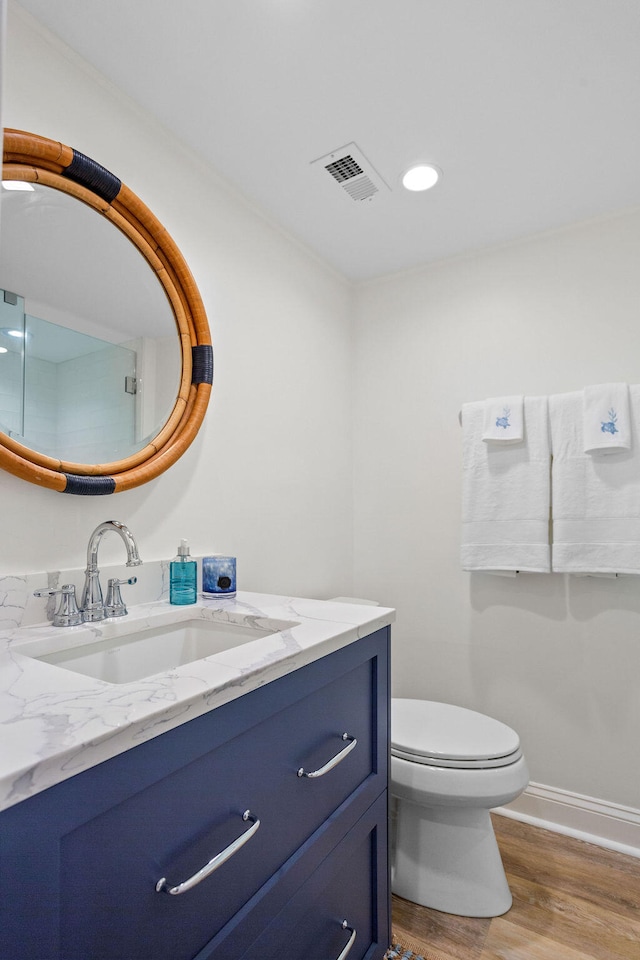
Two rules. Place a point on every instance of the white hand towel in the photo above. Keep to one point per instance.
(505, 488)
(503, 420)
(596, 500)
(606, 418)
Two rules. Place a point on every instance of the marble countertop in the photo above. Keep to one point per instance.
(56, 723)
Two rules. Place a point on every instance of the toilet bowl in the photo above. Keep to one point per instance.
(449, 767)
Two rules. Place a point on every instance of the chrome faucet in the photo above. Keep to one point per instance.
(92, 604)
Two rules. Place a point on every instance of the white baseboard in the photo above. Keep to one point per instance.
(595, 821)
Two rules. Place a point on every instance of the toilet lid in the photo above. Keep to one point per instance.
(446, 735)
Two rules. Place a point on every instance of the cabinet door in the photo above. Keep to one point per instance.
(340, 911)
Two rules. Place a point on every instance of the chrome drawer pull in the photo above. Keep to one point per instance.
(352, 940)
(339, 757)
(217, 861)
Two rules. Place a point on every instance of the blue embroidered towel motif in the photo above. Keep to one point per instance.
(504, 420)
(609, 426)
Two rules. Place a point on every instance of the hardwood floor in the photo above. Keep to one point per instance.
(571, 901)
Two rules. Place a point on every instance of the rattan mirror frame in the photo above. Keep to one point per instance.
(27, 156)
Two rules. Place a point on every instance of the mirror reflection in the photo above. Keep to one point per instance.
(90, 359)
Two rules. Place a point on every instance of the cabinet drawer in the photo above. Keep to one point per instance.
(338, 905)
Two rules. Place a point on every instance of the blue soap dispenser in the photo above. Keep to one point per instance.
(183, 577)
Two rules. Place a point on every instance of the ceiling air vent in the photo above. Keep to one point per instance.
(352, 171)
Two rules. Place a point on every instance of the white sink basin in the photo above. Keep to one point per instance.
(133, 654)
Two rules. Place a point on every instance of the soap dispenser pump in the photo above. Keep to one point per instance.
(183, 577)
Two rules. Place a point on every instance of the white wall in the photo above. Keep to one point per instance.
(557, 658)
(269, 476)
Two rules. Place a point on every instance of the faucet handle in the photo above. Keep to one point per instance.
(114, 604)
(67, 614)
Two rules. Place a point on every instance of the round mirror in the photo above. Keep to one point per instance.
(106, 362)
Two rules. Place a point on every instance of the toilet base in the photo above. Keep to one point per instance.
(447, 858)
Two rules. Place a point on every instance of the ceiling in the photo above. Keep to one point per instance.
(531, 109)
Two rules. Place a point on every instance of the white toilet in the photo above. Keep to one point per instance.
(449, 767)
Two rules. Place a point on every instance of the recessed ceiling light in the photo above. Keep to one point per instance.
(8, 332)
(422, 176)
(16, 185)
(3, 350)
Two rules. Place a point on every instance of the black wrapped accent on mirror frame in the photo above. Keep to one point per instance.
(35, 159)
(202, 357)
(94, 176)
(89, 486)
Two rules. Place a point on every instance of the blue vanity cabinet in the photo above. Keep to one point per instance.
(80, 863)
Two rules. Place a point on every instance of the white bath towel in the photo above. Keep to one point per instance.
(503, 420)
(605, 412)
(505, 505)
(595, 500)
